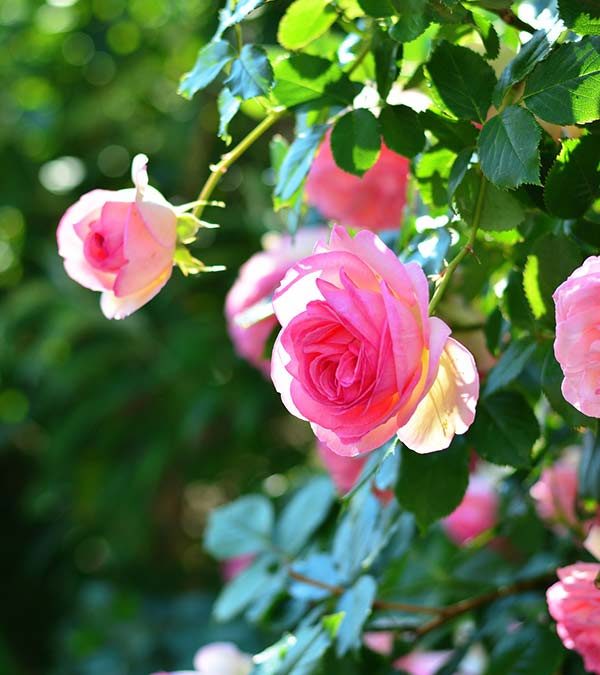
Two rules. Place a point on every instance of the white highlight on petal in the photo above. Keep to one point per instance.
(449, 406)
(139, 174)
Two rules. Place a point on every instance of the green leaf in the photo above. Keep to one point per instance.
(505, 429)
(211, 60)
(387, 55)
(500, 210)
(508, 148)
(530, 54)
(302, 78)
(305, 654)
(251, 73)
(355, 141)
(228, 105)
(564, 89)
(236, 11)
(356, 604)
(401, 130)
(552, 378)
(305, 21)
(454, 134)
(531, 286)
(432, 174)
(488, 35)
(573, 182)
(510, 365)
(244, 526)
(242, 590)
(464, 80)
(297, 161)
(582, 16)
(531, 649)
(553, 269)
(431, 486)
(458, 171)
(377, 8)
(305, 512)
(412, 19)
(589, 467)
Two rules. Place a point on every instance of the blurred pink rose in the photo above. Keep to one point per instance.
(232, 567)
(222, 658)
(249, 298)
(380, 642)
(577, 344)
(422, 663)
(373, 202)
(477, 512)
(555, 493)
(574, 603)
(120, 243)
(344, 471)
(358, 354)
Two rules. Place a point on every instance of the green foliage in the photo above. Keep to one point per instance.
(305, 21)
(574, 179)
(582, 16)
(355, 605)
(211, 60)
(508, 148)
(463, 79)
(443, 474)
(251, 73)
(505, 429)
(402, 130)
(563, 89)
(355, 141)
(240, 528)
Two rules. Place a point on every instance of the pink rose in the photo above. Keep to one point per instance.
(422, 663)
(358, 354)
(574, 603)
(375, 201)
(120, 243)
(233, 567)
(577, 344)
(222, 658)
(380, 642)
(476, 513)
(344, 471)
(555, 494)
(248, 307)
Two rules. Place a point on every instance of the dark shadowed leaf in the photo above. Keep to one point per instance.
(401, 130)
(355, 141)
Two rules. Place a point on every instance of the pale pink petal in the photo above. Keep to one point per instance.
(282, 378)
(139, 174)
(449, 407)
(147, 257)
(114, 307)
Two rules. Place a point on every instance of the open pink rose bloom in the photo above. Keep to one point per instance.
(248, 307)
(120, 243)
(577, 344)
(574, 603)
(359, 357)
(374, 201)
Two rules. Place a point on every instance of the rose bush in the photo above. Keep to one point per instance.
(358, 355)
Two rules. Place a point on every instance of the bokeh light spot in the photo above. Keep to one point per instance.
(62, 174)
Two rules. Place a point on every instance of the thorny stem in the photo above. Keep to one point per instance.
(218, 170)
(441, 614)
(464, 606)
(467, 248)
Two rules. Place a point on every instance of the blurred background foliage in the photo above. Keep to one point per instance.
(117, 438)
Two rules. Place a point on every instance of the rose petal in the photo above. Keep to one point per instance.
(449, 407)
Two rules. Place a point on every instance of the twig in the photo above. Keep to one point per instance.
(378, 604)
(511, 19)
(467, 248)
(464, 606)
